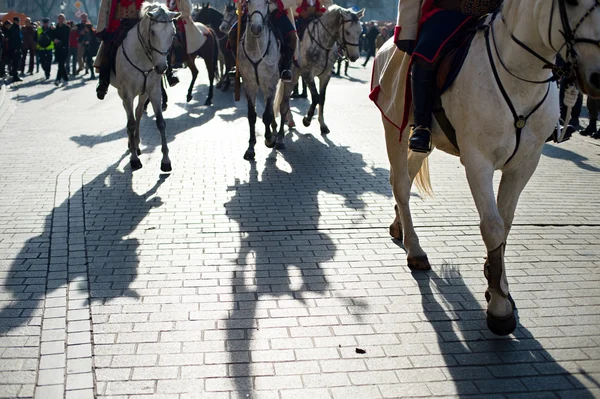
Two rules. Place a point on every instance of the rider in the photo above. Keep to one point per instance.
(115, 19)
(308, 10)
(190, 36)
(280, 20)
(428, 35)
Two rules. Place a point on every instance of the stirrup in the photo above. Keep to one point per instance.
(417, 144)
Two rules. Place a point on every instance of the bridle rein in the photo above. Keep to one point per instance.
(149, 48)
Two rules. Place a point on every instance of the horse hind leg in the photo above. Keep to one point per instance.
(268, 120)
(315, 101)
(210, 67)
(402, 174)
(192, 65)
(500, 312)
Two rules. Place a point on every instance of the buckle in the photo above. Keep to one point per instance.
(520, 122)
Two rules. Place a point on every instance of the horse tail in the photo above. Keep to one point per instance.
(278, 98)
(423, 179)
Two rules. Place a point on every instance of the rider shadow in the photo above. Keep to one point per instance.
(484, 364)
(109, 203)
(557, 152)
(282, 250)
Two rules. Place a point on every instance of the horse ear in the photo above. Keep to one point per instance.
(361, 13)
(174, 15)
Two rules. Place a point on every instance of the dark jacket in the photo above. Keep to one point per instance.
(61, 33)
(29, 35)
(15, 39)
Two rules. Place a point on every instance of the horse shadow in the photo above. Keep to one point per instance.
(481, 364)
(282, 250)
(112, 256)
(561, 153)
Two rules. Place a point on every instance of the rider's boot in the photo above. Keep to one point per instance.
(172, 78)
(103, 82)
(590, 130)
(423, 87)
(232, 43)
(287, 57)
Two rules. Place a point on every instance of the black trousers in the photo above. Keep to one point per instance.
(61, 58)
(15, 63)
(46, 61)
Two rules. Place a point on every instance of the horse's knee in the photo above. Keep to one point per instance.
(161, 124)
(492, 231)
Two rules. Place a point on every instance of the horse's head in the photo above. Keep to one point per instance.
(258, 12)
(229, 18)
(350, 31)
(580, 21)
(157, 26)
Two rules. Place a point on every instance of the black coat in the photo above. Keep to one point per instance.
(61, 33)
(15, 39)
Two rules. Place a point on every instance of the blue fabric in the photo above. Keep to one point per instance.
(433, 40)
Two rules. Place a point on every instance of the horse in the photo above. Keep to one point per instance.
(208, 51)
(507, 73)
(140, 64)
(258, 63)
(214, 19)
(318, 54)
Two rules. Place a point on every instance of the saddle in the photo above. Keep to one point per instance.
(448, 71)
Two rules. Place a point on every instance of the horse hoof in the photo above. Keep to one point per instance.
(306, 122)
(135, 164)
(208, 102)
(219, 85)
(325, 130)
(189, 98)
(396, 231)
(249, 155)
(501, 326)
(139, 152)
(280, 146)
(166, 167)
(291, 124)
(419, 263)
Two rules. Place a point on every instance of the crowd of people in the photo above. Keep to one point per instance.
(70, 45)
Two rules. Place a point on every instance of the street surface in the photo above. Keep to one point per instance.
(231, 279)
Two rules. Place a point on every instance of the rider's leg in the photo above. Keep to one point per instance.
(105, 54)
(423, 86)
(290, 41)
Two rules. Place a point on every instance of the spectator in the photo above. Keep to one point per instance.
(74, 37)
(593, 106)
(381, 39)
(15, 46)
(45, 46)
(6, 56)
(372, 34)
(90, 48)
(61, 49)
(80, 49)
(29, 38)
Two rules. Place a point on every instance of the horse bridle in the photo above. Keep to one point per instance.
(148, 50)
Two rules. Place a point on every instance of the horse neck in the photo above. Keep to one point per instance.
(133, 46)
(331, 22)
(526, 21)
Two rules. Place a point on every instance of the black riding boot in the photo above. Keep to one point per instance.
(423, 87)
(287, 57)
(103, 81)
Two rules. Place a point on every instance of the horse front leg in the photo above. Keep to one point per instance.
(210, 67)
(134, 160)
(310, 81)
(249, 155)
(192, 65)
(323, 82)
(500, 312)
(165, 97)
(402, 174)
(155, 99)
(284, 111)
(139, 113)
(268, 119)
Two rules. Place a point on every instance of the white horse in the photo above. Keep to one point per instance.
(259, 54)
(528, 34)
(318, 54)
(140, 63)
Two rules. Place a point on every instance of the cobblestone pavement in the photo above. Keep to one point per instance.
(229, 279)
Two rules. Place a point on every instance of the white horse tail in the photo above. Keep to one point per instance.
(278, 98)
(423, 179)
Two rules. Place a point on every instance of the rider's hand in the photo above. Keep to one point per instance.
(406, 46)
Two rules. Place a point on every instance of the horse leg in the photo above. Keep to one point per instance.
(155, 98)
(165, 97)
(192, 65)
(210, 67)
(134, 161)
(284, 111)
(402, 172)
(480, 174)
(268, 119)
(322, 90)
(310, 81)
(139, 112)
(249, 155)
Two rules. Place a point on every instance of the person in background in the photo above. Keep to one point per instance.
(29, 43)
(90, 47)
(381, 39)
(61, 48)
(6, 56)
(372, 34)
(593, 106)
(15, 45)
(73, 58)
(45, 45)
(80, 47)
